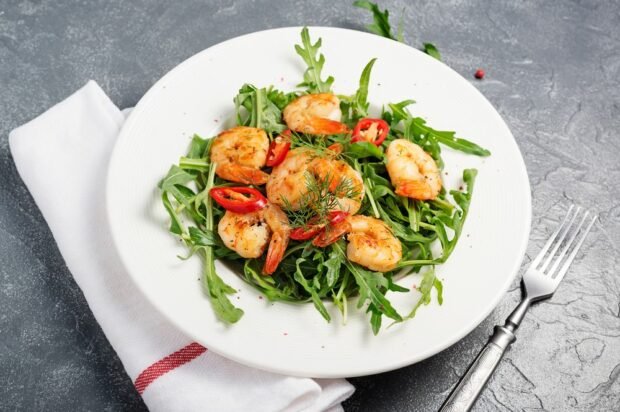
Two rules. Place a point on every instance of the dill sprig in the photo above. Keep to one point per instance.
(318, 200)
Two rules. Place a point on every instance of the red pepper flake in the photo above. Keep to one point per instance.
(285, 333)
(479, 74)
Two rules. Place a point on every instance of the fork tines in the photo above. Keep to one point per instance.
(564, 243)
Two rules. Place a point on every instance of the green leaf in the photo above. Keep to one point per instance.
(429, 281)
(381, 19)
(318, 303)
(255, 108)
(432, 51)
(375, 318)
(202, 237)
(356, 107)
(175, 176)
(369, 284)
(360, 150)
(332, 264)
(198, 147)
(312, 76)
(448, 138)
(213, 285)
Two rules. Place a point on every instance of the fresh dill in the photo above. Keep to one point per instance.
(322, 196)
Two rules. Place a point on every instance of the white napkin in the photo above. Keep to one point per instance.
(62, 156)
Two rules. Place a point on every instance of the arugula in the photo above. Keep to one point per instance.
(356, 107)
(308, 273)
(381, 19)
(312, 76)
(429, 282)
(318, 303)
(262, 107)
(381, 26)
(431, 50)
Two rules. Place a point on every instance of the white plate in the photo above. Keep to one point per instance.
(196, 97)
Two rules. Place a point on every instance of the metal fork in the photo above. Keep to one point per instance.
(540, 281)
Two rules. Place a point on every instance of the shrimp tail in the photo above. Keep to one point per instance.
(275, 253)
(416, 189)
(242, 174)
(320, 125)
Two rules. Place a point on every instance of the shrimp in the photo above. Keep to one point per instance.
(343, 181)
(372, 244)
(287, 183)
(249, 233)
(240, 152)
(315, 114)
(413, 172)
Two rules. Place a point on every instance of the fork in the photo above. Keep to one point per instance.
(539, 282)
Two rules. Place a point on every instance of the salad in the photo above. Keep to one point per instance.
(316, 200)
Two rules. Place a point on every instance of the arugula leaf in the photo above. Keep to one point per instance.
(202, 237)
(318, 303)
(312, 76)
(169, 185)
(419, 127)
(369, 284)
(381, 19)
(198, 147)
(332, 264)
(429, 281)
(375, 318)
(431, 50)
(359, 150)
(260, 110)
(213, 285)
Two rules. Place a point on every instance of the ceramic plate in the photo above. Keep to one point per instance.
(196, 97)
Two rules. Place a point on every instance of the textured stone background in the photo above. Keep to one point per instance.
(553, 72)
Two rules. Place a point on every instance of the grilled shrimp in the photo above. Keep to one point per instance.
(343, 180)
(372, 244)
(315, 114)
(413, 172)
(249, 233)
(240, 152)
(287, 183)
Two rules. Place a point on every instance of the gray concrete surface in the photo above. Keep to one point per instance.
(553, 72)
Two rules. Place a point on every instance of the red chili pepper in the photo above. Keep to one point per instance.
(239, 199)
(305, 233)
(479, 74)
(370, 130)
(337, 216)
(278, 149)
(331, 234)
(312, 228)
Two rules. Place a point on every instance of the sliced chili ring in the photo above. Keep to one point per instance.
(331, 234)
(337, 216)
(370, 130)
(305, 233)
(239, 199)
(278, 149)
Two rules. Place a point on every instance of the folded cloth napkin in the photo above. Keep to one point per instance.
(62, 156)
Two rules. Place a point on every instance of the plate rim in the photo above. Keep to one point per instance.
(407, 361)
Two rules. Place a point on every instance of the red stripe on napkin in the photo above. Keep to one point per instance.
(165, 365)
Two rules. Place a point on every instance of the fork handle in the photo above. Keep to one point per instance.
(470, 386)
